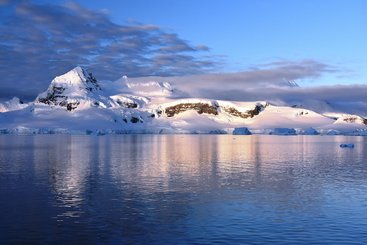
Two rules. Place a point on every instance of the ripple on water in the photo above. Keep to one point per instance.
(183, 189)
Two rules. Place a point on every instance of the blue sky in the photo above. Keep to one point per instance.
(315, 43)
(248, 33)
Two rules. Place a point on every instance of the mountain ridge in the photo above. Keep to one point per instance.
(75, 102)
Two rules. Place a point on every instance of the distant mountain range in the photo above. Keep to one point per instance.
(76, 103)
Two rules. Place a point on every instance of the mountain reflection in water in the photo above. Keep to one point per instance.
(182, 188)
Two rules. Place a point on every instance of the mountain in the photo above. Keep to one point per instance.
(292, 84)
(76, 103)
(12, 105)
(150, 88)
(75, 89)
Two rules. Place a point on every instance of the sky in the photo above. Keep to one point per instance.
(252, 32)
(315, 43)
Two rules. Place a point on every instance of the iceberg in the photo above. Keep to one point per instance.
(309, 131)
(283, 131)
(218, 131)
(241, 131)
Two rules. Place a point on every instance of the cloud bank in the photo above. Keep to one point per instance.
(38, 42)
(270, 82)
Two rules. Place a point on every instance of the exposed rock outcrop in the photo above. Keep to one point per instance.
(54, 94)
(346, 118)
(199, 107)
(248, 114)
(127, 104)
(212, 109)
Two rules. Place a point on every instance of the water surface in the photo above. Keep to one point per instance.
(180, 189)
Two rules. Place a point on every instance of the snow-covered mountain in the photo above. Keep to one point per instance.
(75, 89)
(76, 103)
(292, 84)
(12, 105)
(148, 88)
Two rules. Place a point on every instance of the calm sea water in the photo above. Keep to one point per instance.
(182, 189)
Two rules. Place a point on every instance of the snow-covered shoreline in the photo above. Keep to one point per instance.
(162, 131)
(75, 103)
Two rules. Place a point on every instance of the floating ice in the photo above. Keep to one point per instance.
(241, 131)
(283, 131)
(347, 145)
(309, 131)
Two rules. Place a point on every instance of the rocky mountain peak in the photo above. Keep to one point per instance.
(69, 89)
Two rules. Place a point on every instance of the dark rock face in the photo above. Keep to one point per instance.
(56, 97)
(350, 119)
(127, 104)
(303, 113)
(91, 82)
(199, 107)
(211, 109)
(250, 113)
(72, 105)
(136, 120)
(355, 119)
(53, 96)
(131, 105)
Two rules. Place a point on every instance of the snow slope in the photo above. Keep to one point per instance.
(148, 88)
(76, 103)
(12, 105)
(75, 89)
